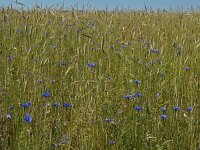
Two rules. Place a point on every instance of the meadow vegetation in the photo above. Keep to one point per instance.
(99, 80)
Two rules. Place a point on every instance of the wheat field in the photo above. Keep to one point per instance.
(120, 80)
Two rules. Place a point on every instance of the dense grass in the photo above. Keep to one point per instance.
(49, 51)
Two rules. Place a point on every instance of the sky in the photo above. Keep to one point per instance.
(111, 4)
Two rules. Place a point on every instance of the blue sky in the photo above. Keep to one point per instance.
(111, 4)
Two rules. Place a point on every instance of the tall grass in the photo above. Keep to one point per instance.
(49, 51)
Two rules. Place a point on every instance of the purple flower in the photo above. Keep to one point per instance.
(138, 95)
(66, 105)
(138, 108)
(189, 109)
(10, 58)
(9, 116)
(175, 109)
(40, 81)
(91, 65)
(55, 104)
(46, 94)
(11, 107)
(28, 49)
(127, 97)
(112, 142)
(107, 120)
(163, 117)
(163, 109)
(122, 46)
(137, 82)
(159, 61)
(25, 105)
(27, 118)
(187, 68)
(154, 51)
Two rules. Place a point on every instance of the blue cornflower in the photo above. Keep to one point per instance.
(154, 51)
(127, 97)
(9, 116)
(189, 109)
(27, 118)
(46, 94)
(159, 61)
(138, 108)
(11, 107)
(28, 49)
(10, 58)
(40, 81)
(122, 46)
(55, 104)
(137, 82)
(187, 68)
(111, 142)
(163, 109)
(66, 105)
(107, 120)
(91, 65)
(163, 117)
(25, 105)
(138, 95)
(175, 109)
